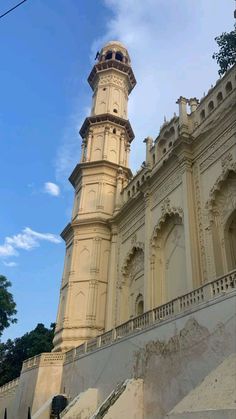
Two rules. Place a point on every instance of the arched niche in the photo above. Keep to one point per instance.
(221, 208)
(131, 286)
(169, 278)
(230, 240)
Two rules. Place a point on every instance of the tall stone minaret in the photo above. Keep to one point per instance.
(98, 180)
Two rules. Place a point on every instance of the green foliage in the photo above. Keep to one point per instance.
(226, 57)
(7, 305)
(14, 352)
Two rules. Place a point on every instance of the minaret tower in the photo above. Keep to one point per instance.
(98, 180)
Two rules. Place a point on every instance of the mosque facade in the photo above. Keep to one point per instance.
(146, 317)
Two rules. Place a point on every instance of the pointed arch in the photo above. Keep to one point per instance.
(169, 278)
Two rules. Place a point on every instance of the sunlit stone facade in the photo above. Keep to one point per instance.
(136, 242)
(146, 321)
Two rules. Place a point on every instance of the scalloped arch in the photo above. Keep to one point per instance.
(218, 184)
(170, 212)
(137, 246)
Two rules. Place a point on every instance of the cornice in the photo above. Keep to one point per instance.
(92, 120)
(112, 64)
(78, 170)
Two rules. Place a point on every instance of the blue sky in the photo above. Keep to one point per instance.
(47, 50)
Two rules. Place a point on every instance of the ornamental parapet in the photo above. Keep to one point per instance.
(192, 300)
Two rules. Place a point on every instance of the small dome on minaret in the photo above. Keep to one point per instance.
(114, 50)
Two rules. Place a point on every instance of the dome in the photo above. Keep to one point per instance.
(115, 50)
(115, 44)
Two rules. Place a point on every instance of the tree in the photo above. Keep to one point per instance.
(226, 57)
(14, 352)
(7, 305)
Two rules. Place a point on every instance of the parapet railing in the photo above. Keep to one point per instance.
(44, 359)
(203, 294)
(9, 386)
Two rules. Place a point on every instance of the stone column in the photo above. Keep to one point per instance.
(119, 182)
(127, 154)
(183, 116)
(83, 149)
(122, 144)
(106, 134)
(149, 143)
(190, 228)
(147, 273)
(89, 145)
(112, 281)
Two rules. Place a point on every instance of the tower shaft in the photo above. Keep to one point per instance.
(98, 181)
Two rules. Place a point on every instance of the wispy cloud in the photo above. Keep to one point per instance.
(51, 189)
(10, 264)
(28, 239)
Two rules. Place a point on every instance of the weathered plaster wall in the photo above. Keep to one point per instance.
(172, 358)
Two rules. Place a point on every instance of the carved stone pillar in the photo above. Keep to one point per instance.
(89, 145)
(105, 147)
(148, 298)
(112, 281)
(190, 229)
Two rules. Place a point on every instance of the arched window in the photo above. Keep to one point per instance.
(119, 56)
(114, 131)
(170, 144)
(139, 306)
(202, 114)
(231, 241)
(153, 158)
(228, 87)
(210, 106)
(219, 97)
(115, 110)
(108, 55)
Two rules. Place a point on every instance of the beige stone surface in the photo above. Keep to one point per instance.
(216, 392)
(125, 401)
(82, 406)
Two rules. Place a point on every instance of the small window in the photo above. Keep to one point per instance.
(104, 88)
(114, 131)
(211, 106)
(228, 87)
(133, 190)
(108, 56)
(164, 150)
(139, 306)
(219, 97)
(143, 178)
(119, 56)
(138, 184)
(128, 194)
(115, 110)
(202, 114)
(170, 144)
(153, 158)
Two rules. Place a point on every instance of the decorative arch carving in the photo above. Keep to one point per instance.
(131, 253)
(227, 167)
(167, 211)
(220, 207)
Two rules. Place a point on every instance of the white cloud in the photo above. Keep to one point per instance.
(52, 189)
(28, 239)
(10, 264)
